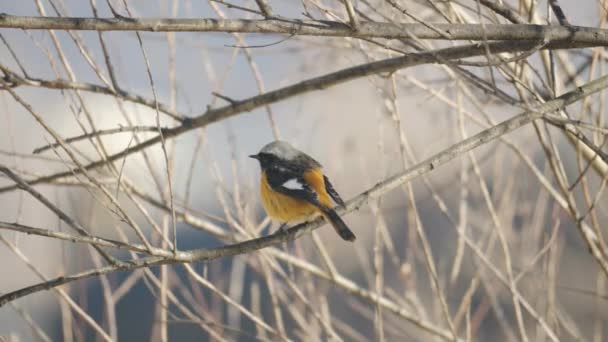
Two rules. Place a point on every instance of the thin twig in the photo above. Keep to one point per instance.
(264, 7)
(352, 16)
(559, 13)
(102, 132)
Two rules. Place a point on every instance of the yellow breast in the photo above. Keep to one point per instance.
(284, 208)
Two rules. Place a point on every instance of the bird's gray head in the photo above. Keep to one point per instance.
(282, 153)
(281, 149)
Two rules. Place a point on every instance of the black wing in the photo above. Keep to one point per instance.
(280, 178)
(332, 192)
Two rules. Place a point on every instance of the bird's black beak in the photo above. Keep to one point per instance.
(254, 156)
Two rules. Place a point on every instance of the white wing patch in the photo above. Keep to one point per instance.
(293, 184)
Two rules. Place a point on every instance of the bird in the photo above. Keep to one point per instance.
(293, 188)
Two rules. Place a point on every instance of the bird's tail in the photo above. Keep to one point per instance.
(339, 225)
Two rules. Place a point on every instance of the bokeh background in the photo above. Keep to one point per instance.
(504, 196)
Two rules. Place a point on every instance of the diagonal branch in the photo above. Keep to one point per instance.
(313, 84)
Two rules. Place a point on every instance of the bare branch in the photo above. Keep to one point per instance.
(574, 36)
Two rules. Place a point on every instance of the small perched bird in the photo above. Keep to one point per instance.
(294, 188)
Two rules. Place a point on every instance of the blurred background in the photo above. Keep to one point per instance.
(523, 272)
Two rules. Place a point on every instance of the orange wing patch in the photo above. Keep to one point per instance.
(314, 178)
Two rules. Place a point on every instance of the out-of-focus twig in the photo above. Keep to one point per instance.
(264, 7)
(559, 13)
